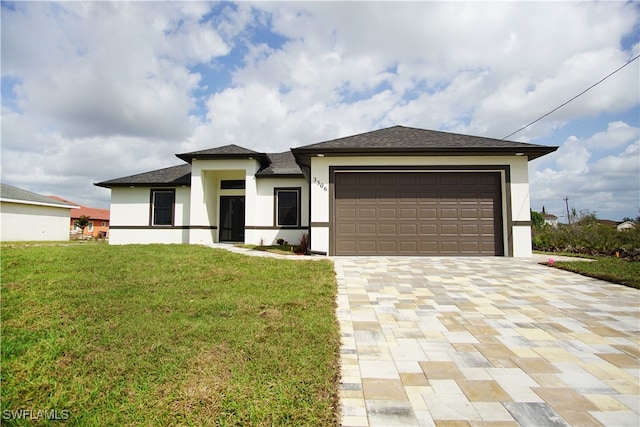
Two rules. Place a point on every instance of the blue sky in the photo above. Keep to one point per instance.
(98, 90)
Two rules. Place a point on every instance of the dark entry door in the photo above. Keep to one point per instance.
(232, 218)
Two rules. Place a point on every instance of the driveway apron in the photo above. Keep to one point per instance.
(484, 342)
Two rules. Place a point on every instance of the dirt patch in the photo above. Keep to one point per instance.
(202, 386)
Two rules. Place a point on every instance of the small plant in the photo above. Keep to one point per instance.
(303, 246)
(281, 242)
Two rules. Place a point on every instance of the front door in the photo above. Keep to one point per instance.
(232, 218)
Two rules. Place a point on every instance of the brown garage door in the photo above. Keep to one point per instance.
(418, 213)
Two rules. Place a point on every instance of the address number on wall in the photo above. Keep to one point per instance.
(320, 184)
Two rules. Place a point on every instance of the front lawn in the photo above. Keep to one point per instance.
(167, 335)
(611, 269)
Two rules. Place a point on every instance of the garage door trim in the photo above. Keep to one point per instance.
(507, 223)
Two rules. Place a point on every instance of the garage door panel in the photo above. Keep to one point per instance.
(407, 229)
(469, 247)
(345, 229)
(387, 213)
(347, 213)
(388, 229)
(487, 213)
(448, 230)
(367, 229)
(388, 246)
(417, 213)
(366, 180)
(429, 247)
(408, 213)
(448, 213)
(366, 213)
(387, 179)
(428, 229)
(408, 247)
(469, 230)
(470, 213)
(428, 213)
(386, 197)
(366, 246)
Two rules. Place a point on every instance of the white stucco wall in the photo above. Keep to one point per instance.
(205, 194)
(26, 222)
(265, 230)
(519, 186)
(130, 208)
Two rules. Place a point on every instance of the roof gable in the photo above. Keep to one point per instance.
(231, 151)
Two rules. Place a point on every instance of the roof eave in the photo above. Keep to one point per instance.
(141, 184)
(531, 152)
(190, 157)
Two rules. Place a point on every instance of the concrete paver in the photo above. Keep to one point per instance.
(484, 341)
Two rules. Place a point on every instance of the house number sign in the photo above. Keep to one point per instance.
(320, 183)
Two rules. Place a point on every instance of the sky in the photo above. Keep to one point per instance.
(93, 91)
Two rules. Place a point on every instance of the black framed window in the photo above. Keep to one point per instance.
(162, 206)
(287, 207)
(232, 184)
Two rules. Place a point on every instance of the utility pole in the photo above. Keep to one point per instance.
(566, 201)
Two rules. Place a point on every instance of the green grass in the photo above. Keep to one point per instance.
(611, 269)
(168, 335)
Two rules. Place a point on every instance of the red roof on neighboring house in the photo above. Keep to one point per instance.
(93, 213)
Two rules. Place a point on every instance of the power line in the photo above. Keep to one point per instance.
(580, 94)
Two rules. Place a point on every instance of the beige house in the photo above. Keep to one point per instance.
(27, 216)
(393, 191)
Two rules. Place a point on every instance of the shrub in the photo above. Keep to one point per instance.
(588, 237)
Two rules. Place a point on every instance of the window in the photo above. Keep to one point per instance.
(232, 184)
(287, 207)
(104, 223)
(162, 206)
(90, 226)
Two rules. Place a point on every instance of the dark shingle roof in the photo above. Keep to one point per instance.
(226, 152)
(9, 192)
(281, 164)
(407, 140)
(175, 175)
(273, 164)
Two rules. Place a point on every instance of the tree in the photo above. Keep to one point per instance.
(537, 220)
(81, 223)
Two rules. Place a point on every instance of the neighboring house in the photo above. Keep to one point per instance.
(28, 216)
(550, 219)
(394, 191)
(98, 220)
(627, 225)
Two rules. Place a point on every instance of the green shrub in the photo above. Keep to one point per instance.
(588, 236)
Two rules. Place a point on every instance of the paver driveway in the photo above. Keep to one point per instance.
(484, 341)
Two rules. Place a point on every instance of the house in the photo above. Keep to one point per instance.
(393, 191)
(26, 216)
(98, 220)
(550, 219)
(627, 225)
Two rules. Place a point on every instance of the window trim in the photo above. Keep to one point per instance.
(152, 206)
(233, 184)
(276, 219)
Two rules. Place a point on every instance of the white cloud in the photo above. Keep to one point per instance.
(117, 68)
(607, 185)
(124, 83)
